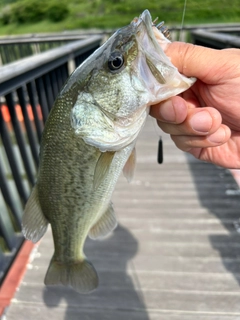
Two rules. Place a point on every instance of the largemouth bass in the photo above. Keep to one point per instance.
(89, 138)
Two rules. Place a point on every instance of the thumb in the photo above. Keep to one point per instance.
(194, 61)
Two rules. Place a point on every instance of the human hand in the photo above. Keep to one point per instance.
(205, 119)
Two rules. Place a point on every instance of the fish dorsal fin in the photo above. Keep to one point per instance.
(102, 168)
(34, 223)
(105, 225)
(130, 165)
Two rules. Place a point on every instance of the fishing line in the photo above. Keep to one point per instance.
(183, 17)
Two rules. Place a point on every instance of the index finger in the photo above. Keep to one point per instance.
(194, 61)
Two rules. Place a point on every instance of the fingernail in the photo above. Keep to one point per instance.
(201, 122)
(167, 112)
(217, 137)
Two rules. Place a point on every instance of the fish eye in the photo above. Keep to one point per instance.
(115, 61)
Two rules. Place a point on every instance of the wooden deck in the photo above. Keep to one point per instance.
(174, 256)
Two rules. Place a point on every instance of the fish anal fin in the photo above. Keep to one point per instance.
(78, 275)
(34, 223)
(102, 168)
(129, 168)
(105, 225)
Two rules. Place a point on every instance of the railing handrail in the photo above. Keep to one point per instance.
(226, 40)
(10, 73)
(31, 39)
(48, 37)
(15, 68)
(215, 26)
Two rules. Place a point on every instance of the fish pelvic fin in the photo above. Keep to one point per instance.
(102, 168)
(129, 168)
(105, 225)
(34, 223)
(78, 275)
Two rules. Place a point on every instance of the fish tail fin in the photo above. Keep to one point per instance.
(34, 223)
(79, 275)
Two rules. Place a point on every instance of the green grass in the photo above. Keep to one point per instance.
(107, 14)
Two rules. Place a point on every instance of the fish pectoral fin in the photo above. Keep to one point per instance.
(79, 275)
(102, 168)
(105, 225)
(129, 168)
(34, 223)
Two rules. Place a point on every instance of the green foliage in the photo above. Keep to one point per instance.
(25, 11)
(6, 15)
(57, 11)
(57, 15)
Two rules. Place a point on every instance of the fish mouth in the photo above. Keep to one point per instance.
(149, 57)
(145, 18)
(157, 72)
(144, 24)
